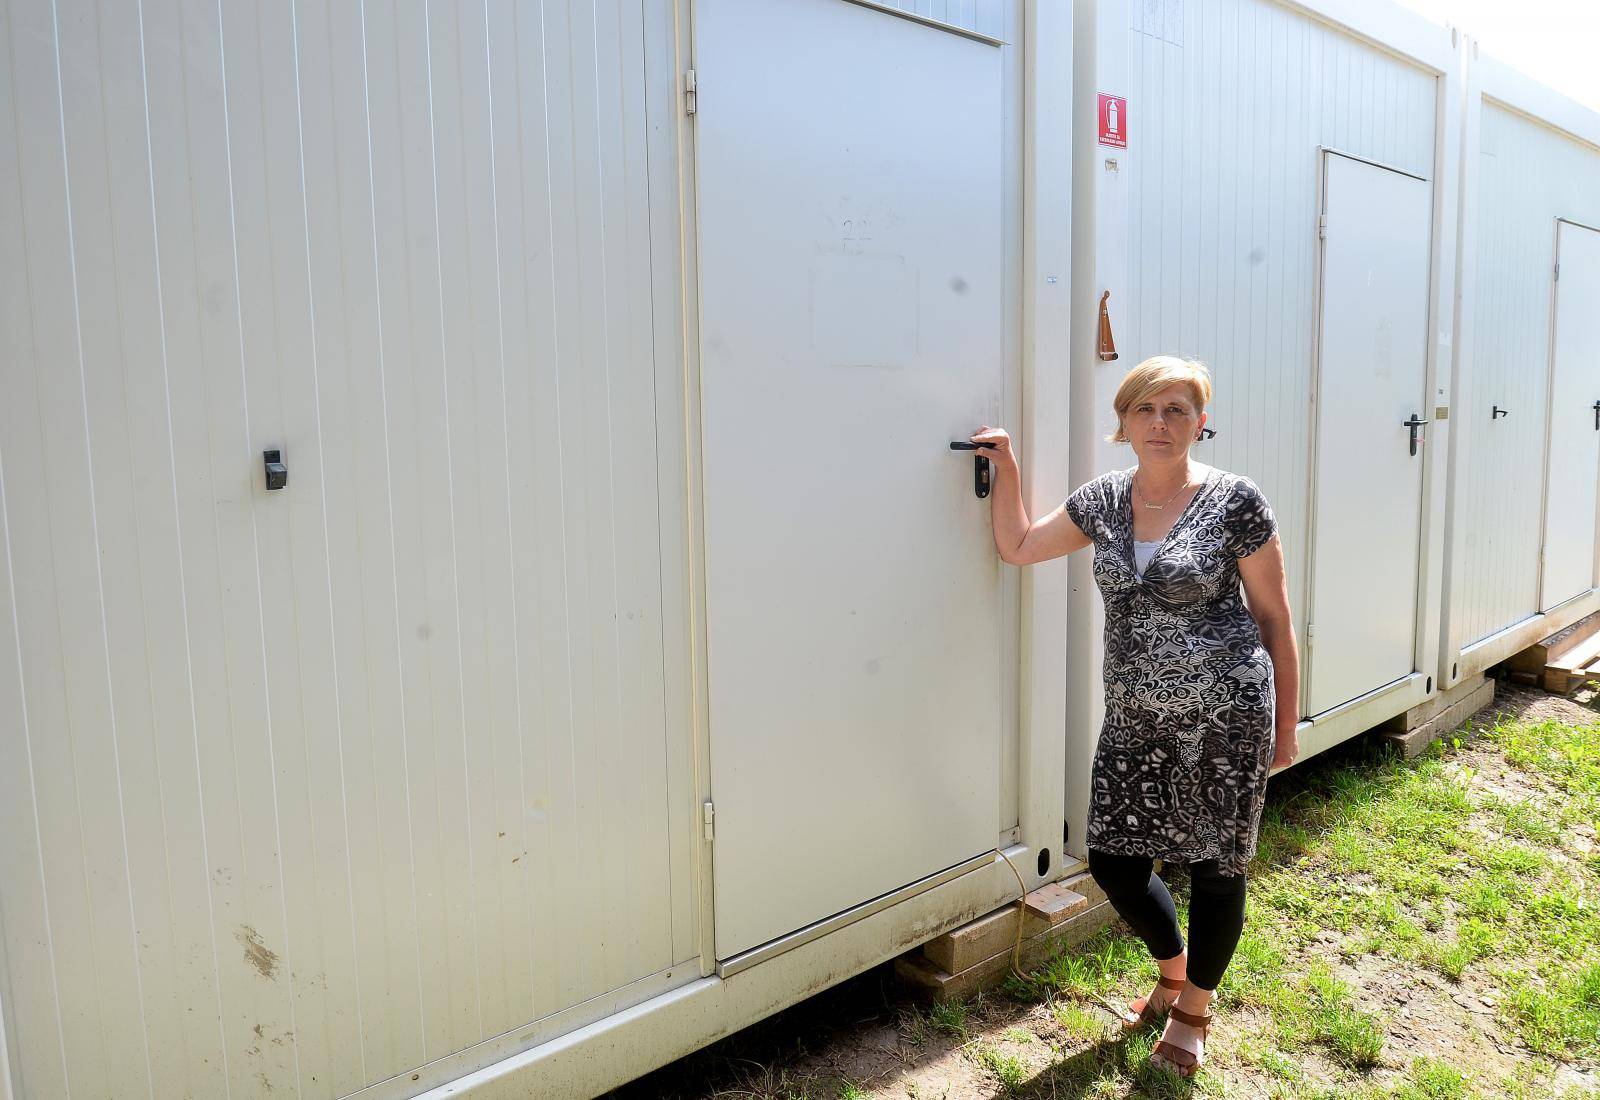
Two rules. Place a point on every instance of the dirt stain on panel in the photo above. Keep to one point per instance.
(256, 953)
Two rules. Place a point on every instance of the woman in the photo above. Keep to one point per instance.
(1193, 724)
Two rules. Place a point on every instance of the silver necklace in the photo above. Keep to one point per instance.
(1145, 501)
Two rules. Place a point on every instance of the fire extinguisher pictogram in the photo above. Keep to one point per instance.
(1113, 121)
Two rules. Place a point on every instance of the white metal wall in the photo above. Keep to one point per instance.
(1228, 103)
(1528, 176)
(305, 789)
(986, 17)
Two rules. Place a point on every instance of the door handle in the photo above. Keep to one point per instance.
(1496, 412)
(1416, 423)
(1596, 407)
(277, 473)
(982, 472)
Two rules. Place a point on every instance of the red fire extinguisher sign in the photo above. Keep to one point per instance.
(1113, 121)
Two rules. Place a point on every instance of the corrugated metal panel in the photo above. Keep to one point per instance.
(1529, 176)
(300, 790)
(1228, 103)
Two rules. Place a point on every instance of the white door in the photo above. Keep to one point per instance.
(850, 215)
(1372, 377)
(1569, 521)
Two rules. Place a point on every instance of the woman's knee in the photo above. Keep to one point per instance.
(1208, 878)
(1120, 875)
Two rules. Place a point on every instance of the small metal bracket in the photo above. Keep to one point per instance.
(691, 93)
(1107, 350)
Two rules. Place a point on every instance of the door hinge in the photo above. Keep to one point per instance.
(708, 817)
(1311, 633)
(1322, 227)
(1558, 272)
(690, 93)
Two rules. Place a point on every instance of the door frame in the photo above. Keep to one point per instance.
(1039, 45)
(1549, 422)
(1419, 683)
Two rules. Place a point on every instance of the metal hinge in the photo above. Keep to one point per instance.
(689, 92)
(1311, 633)
(1322, 227)
(1558, 273)
(708, 816)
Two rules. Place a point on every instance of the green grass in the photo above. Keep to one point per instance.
(1405, 861)
(1419, 864)
(950, 1018)
(1429, 1079)
(1079, 1022)
(1007, 1068)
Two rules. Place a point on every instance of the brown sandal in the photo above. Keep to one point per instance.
(1185, 1063)
(1147, 1014)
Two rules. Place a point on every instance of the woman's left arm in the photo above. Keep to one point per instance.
(1267, 591)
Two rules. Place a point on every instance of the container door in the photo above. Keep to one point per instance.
(1569, 522)
(850, 224)
(1368, 489)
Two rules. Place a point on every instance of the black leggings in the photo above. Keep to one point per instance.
(1216, 911)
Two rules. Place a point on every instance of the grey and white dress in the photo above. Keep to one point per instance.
(1181, 769)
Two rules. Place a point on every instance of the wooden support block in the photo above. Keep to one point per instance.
(933, 982)
(973, 942)
(1054, 903)
(979, 939)
(1559, 680)
(1537, 656)
(1429, 709)
(1579, 656)
(1412, 742)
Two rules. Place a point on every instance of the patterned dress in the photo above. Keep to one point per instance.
(1180, 773)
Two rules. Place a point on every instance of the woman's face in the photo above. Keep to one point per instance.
(1164, 427)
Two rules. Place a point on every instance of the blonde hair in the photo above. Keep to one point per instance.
(1154, 375)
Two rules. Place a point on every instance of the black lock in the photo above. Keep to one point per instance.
(982, 471)
(277, 472)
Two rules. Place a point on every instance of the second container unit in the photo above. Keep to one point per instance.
(1525, 458)
(1269, 188)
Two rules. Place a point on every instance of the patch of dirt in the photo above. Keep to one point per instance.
(871, 1034)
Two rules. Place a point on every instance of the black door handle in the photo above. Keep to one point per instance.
(277, 472)
(1496, 412)
(982, 472)
(1415, 424)
(1596, 407)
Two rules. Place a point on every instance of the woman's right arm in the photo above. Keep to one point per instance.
(1019, 540)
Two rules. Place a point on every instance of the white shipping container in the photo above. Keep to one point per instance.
(625, 656)
(1521, 558)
